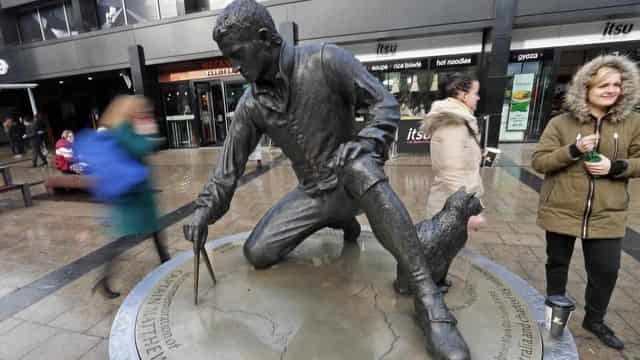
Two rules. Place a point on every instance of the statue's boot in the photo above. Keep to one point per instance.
(402, 287)
(443, 340)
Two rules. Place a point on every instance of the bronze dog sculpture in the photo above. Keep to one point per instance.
(442, 237)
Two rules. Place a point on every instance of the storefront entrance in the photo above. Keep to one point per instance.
(199, 99)
(217, 100)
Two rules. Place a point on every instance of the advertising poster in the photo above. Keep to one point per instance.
(520, 101)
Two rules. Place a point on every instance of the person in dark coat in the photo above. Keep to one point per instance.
(35, 132)
(17, 132)
(8, 124)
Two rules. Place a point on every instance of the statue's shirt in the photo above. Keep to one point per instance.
(308, 114)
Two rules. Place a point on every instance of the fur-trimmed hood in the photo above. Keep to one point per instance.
(448, 112)
(576, 98)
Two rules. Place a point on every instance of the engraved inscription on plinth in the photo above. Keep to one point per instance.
(154, 336)
(327, 301)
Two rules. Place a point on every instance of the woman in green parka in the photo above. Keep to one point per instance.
(585, 198)
(130, 119)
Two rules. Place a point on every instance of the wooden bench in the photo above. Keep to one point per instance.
(26, 192)
(6, 175)
(67, 182)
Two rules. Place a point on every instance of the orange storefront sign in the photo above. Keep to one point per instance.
(213, 68)
(196, 74)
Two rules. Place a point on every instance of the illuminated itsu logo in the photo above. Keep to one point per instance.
(416, 136)
(4, 67)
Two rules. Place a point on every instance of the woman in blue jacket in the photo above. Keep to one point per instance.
(131, 121)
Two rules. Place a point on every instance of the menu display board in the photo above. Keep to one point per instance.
(521, 93)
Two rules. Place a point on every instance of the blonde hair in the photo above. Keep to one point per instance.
(65, 134)
(122, 109)
(601, 74)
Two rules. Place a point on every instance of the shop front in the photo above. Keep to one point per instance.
(199, 100)
(543, 61)
(411, 69)
(414, 83)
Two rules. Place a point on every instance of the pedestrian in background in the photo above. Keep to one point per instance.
(587, 199)
(17, 132)
(7, 124)
(129, 119)
(35, 132)
(66, 162)
(456, 152)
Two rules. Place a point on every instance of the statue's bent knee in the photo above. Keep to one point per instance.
(257, 256)
(361, 174)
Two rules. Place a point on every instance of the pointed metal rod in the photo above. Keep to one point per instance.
(196, 271)
(197, 250)
(209, 267)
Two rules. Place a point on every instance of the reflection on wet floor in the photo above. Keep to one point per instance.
(39, 240)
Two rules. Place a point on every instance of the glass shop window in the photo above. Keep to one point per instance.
(412, 89)
(73, 28)
(29, 25)
(54, 22)
(168, 9)
(110, 13)
(193, 6)
(177, 99)
(139, 11)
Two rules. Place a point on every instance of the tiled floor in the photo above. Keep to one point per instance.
(72, 323)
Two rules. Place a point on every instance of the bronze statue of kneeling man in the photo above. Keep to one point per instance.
(305, 99)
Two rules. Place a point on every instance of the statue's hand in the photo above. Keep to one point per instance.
(352, 149)
(197, 231)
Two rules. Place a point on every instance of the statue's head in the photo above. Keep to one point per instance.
(246, 34)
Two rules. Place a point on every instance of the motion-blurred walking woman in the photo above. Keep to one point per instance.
(130, 120)
(589, 199)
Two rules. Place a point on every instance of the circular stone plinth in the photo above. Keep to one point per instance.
(326, 301)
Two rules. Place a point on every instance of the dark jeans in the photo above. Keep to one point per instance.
(602, 262)
(36, 148)
(19, 144)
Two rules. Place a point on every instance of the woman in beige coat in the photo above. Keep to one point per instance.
(585, 199)
(455, 142)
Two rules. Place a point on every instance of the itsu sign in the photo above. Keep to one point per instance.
(614, 29)
(411, 139)
(416, 136)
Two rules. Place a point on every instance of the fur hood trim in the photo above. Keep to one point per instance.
(448, 112)
(576, 99)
